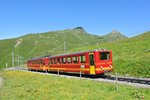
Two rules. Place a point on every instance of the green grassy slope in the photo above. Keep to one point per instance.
(130, 56)
(48, 43)
(30, 86)
(40, 44)
(6, 47)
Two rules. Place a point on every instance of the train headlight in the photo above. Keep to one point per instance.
(101, 67)
(111, 66)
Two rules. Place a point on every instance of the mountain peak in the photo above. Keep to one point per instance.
(114, 31)
(114, 35)
(79, 29)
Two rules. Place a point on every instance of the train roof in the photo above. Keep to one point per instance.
(78, 53)
(41, 57)
(36, 58)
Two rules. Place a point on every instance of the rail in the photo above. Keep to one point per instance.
(130, 80)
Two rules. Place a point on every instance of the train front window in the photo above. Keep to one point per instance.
(104, 56)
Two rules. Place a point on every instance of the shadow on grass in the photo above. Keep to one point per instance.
(72, 74)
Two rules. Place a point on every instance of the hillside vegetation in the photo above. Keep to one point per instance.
(41, 44)
(30, 86)
(130, 56)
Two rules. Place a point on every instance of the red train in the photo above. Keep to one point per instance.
(90, 62)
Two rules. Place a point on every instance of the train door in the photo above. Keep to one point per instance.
(91, 62)
(45, 63)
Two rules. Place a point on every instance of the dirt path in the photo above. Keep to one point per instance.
(1, 82)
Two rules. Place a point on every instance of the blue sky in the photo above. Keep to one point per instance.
(20, 17)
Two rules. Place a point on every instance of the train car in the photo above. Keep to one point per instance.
(39, 63)
(90, 62)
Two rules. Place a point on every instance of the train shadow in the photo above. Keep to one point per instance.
(78, 75)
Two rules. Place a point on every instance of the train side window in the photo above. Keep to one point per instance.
(82, 58)
(58, 60)
(68, 60)
(55, 62)
(75, 59)
(51, 61)
(63, 60)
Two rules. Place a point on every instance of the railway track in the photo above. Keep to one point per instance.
(125, 80)
(130, 80)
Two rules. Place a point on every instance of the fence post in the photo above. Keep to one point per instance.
(6, 64)
(58, 72)
(80, 74)
(116, 81)
(46, 71)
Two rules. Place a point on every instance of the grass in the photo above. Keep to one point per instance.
(29, 86)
